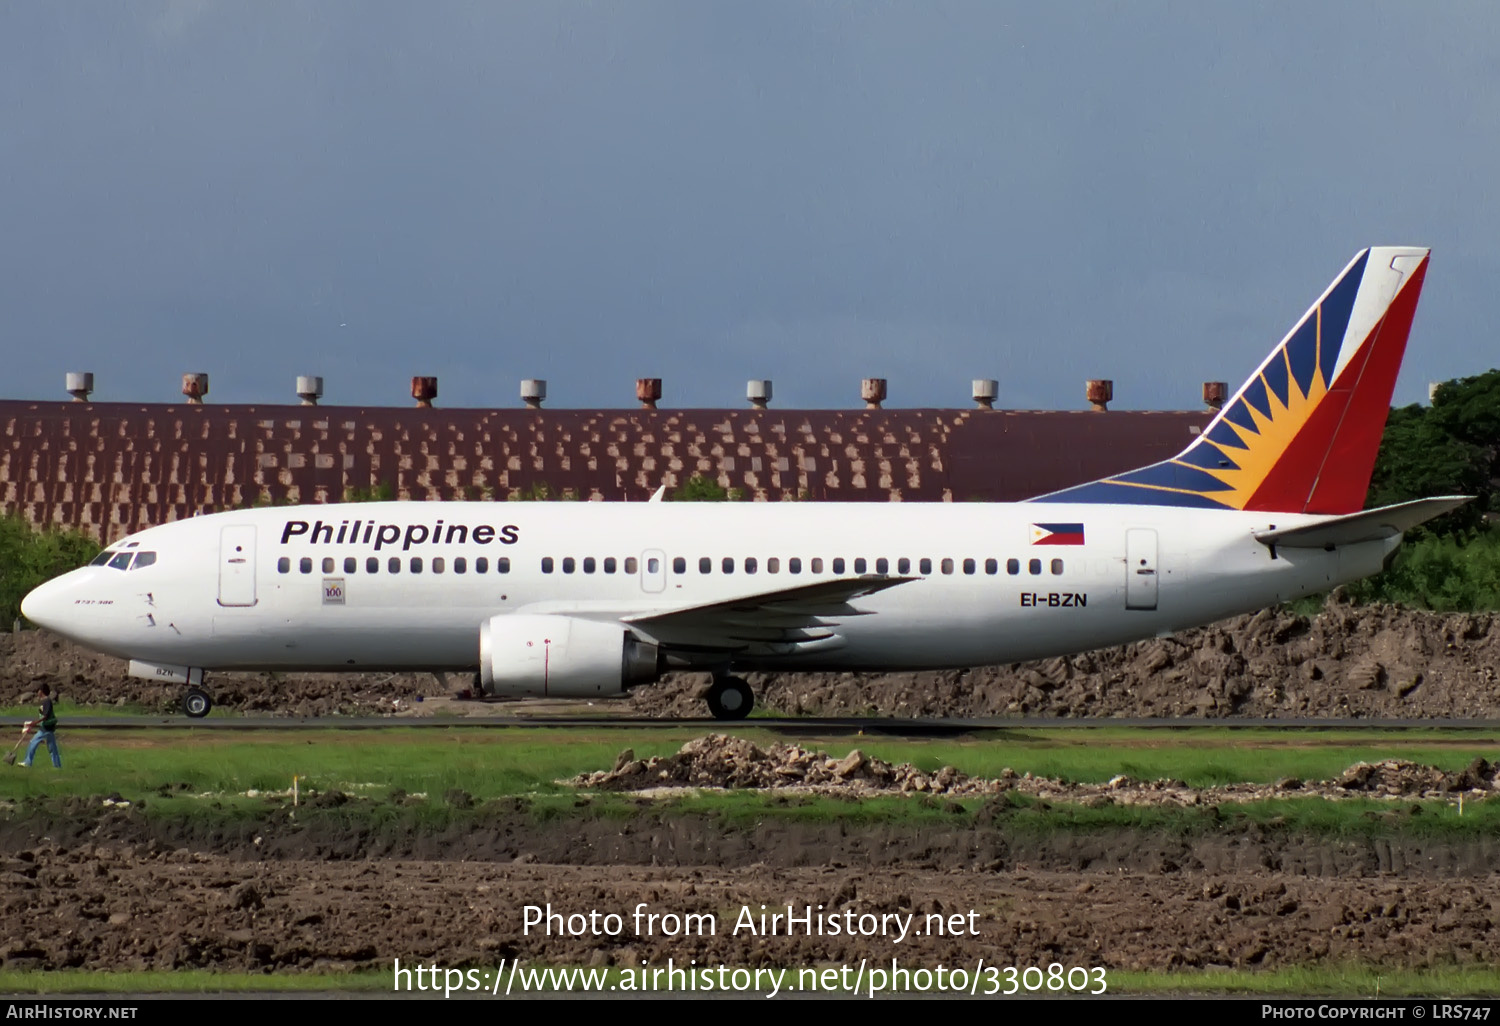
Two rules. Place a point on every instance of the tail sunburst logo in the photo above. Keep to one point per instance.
(1301, 435)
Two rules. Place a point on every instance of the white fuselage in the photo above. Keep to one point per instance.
(254, 590)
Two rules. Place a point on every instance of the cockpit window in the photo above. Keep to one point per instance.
(102, 558)
(121, 561)
(143, 559)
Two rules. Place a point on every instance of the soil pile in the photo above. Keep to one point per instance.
(1346, 662)
(732, 762)
(719, 761)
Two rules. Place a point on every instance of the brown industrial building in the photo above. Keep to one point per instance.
(113, 468)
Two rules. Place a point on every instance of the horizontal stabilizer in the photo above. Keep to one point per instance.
(1368, 525)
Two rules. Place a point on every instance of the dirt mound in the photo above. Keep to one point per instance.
(731, 762)
(719, 761)
(1346, 662)
(1399, 777)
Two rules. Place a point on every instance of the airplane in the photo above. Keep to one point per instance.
(588, 600)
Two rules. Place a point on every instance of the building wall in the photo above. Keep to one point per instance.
(114, 468)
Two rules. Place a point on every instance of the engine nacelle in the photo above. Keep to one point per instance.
(562, 657)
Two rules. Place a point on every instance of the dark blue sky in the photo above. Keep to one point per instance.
(707, 192)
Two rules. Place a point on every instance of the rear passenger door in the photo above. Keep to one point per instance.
(1140, 568)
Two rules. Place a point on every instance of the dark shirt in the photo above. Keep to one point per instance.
(49, 720)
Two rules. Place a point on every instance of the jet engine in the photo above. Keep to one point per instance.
(562, 657)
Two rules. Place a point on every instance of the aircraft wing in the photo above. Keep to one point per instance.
(1367, 525)
(783, 621)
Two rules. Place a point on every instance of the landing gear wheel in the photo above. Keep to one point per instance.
(730, 698)
(196, 703)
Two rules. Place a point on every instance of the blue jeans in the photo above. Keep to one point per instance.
(49, 736)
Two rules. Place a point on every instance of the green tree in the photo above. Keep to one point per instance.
(1448, 448)
(703, 489)
(384, 491)
(29, 557)
(541, 491)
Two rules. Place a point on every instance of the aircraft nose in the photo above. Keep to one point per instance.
(44, 605)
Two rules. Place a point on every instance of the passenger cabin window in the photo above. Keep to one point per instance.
(947, 566)
(372, 564)
(460, 565)
(416, 564)
(773, 565)
(992, 566)
(882, 565)
(794, 565)
(705, 565)
(393, 565)
(859, 565)
(838, 565)
(653, 565)
(969, 566)
(631, 564)
(328, 564)
(438, 564)
(283, 565)
(546, 564)
(679, 565)
(1035, 566)
(590, 564)
(305, 564)
(502, 565)
(609, 564)
(727, 565)
(350, 564)
(569, 565)
(817, 565)
(1056, 566)
(925, 566)
(482, 564)
(903, 565)
(1012, 566)
(750, 564)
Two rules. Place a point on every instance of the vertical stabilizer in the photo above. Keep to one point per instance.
(1301, 435)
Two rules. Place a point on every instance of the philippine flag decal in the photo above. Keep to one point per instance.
(1057, 534)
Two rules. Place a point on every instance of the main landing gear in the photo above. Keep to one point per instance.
(196, 703)
(730, 698)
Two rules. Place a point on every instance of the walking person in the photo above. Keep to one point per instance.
(46, 726)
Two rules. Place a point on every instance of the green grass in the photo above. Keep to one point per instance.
(484, 764)
(184, 981)
(66, 708)
(213, 778)
(1343, 819)
(496, 763)
(1335, 981)
(1347, 981)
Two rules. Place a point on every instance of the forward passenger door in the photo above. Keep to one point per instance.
(237, 566)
